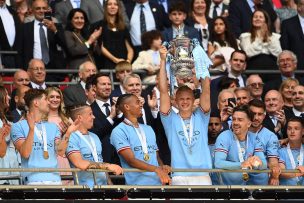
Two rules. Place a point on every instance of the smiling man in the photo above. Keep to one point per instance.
(36, 72)
(239, 149)
(298, 103)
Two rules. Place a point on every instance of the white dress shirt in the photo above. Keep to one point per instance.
(241, 81)
(296, 112)
(218, 9)
(83, 84)
(122, 89)
(37, 45)
(103, 109)
(36, 86)
(135, 22)
(8, 24)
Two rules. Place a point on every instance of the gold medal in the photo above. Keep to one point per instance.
(146, 157)
(245, 176)
(45, 154)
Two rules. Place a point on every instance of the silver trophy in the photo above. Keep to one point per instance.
(182, 63)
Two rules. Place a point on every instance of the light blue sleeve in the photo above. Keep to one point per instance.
(272, 146)
(74, 146)
(259, 151)
(204, 116)
(282, 157)
(119, 140)
(17, 132)
(221, 152)
(167, 121)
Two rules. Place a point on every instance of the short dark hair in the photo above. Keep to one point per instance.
(98, 75)
(148, 37)
(122, 100)
(245, 109)
(33, 94)
(240, 52)
(257, 103)
(295, 119)
(226, 81)
(89, 82)
(178, 6)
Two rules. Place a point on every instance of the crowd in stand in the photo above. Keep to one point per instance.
(227, 121)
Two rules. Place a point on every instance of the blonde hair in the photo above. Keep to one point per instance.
(61, 109)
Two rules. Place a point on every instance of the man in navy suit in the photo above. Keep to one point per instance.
(240, 14)
(105, 115)
(153, 15)
(177, 16)
(292, 34)
(44, 40)
(238, 66)
(10, 37)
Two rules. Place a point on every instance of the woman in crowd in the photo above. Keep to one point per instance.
(286, 90)
(80, 44)
(149, 58)
(9, 158)
(262, 46)
(221, 44)
(288, 9)
(198, 18)
(57, 115)
(116, 42)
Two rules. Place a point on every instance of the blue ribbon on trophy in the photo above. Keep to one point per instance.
(201, 61)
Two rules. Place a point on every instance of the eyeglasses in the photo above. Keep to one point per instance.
(286, 60)
(36, 69)
(256, 85)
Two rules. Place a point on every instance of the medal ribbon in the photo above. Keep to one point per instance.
(92, 146)
(190, 134)
(241, 157)
(291, 158)
(42, 136)
(141, 136)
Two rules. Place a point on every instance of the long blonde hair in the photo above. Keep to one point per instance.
(61, 109)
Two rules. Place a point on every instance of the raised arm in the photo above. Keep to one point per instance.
(165, 103)
(4, 131)
(25, 146)
(205, 95)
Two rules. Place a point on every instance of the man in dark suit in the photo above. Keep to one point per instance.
(238, 67)
(298, 103)
(292, 34)
(275, 119)
(287, 62)
(164, 3)
(105, 116)
(10, 37)
(37, 74)
(153, 17)
(132, 84)
(20, 103)
(75, 94)
(240, 14)
(44, 40)
(217, 8)
(177, 16)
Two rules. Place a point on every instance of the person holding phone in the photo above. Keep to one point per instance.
(226, 103)
(44, 40)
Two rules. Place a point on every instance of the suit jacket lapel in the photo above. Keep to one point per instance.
(98, 4)
(69, 5)
(299, 27)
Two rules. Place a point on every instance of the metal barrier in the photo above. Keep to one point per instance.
(147, 192)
